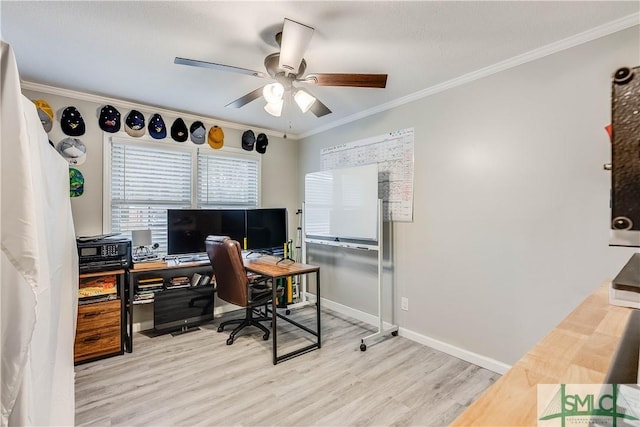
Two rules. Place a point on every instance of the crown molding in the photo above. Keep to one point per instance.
(101, 100)
(576, 40)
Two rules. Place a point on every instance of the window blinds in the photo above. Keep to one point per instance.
(227, 182)
(145, 182)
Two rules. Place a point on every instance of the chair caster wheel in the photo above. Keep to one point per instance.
(394, 333)
(229, 341)
(220, 328)
(265, 337)
(287, 312)
(363, 347)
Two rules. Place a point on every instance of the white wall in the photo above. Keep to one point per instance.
(511, 203)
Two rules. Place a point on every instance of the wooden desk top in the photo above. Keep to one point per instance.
(100, 273)
(268, 265)
(265, 265)
(577, 351)
(167, 265)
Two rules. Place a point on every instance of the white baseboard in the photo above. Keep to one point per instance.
(466, 355)
(469, 356)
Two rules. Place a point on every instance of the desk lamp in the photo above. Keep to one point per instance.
(141, 241)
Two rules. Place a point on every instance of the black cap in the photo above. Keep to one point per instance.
(157, 128)
(248, 139)
(109, 119)
(134, 124)
(261, 143)
(179, 131)
(72, 122)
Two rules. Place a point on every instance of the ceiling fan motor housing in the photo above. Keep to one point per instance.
(274, 70)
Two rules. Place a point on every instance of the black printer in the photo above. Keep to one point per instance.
(104, 252)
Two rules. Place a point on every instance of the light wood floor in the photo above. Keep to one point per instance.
(196, 379)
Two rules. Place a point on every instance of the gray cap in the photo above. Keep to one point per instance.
(45, 114)
(73, 150)
(198, 132)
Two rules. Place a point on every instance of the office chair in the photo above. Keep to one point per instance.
(233, 285)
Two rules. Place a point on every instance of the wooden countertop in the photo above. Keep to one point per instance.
(579, 350)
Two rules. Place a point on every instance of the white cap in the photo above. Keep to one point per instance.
(73, 150)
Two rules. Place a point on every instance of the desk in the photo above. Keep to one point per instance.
(577, 351)
(164, 270)
(270, 267)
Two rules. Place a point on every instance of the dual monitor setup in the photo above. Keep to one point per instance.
(257, 230)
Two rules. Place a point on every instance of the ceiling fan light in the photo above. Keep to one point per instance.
(274, 108)
(304, 100)
(273, 92)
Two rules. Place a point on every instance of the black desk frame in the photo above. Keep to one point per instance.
(274, 273)
(167, 272)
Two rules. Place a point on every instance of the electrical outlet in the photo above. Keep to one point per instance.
(404, 303)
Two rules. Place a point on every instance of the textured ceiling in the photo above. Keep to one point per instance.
(125, 50)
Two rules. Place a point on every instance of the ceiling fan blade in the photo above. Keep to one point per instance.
(244, 100)
(319, 109)
(353, 80)
(295, 40)
(219, 67)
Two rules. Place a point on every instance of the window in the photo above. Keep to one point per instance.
(145, 178)
(227, 182)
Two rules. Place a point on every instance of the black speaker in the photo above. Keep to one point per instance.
(625, 150)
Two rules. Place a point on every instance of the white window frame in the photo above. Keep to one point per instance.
(230, 152)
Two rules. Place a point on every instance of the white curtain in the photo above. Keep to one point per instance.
(39, 266)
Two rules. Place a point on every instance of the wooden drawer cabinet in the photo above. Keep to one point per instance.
(94, 315)
(99, 327)
(99, 330)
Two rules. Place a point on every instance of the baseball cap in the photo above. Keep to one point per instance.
(216, 137)
(261, 143)
(248, 140)
(45, 113)
(157, 128)
(76, 182)
(198, 132)
(134, 124)
(179, 131)
(109, 119)
(73, 150)
(72, 122)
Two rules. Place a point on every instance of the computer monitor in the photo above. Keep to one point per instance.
(187, 229)
(266, 229)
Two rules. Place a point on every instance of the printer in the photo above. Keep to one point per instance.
(103, 253)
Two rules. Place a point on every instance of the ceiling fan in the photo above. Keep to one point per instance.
(288, 67)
